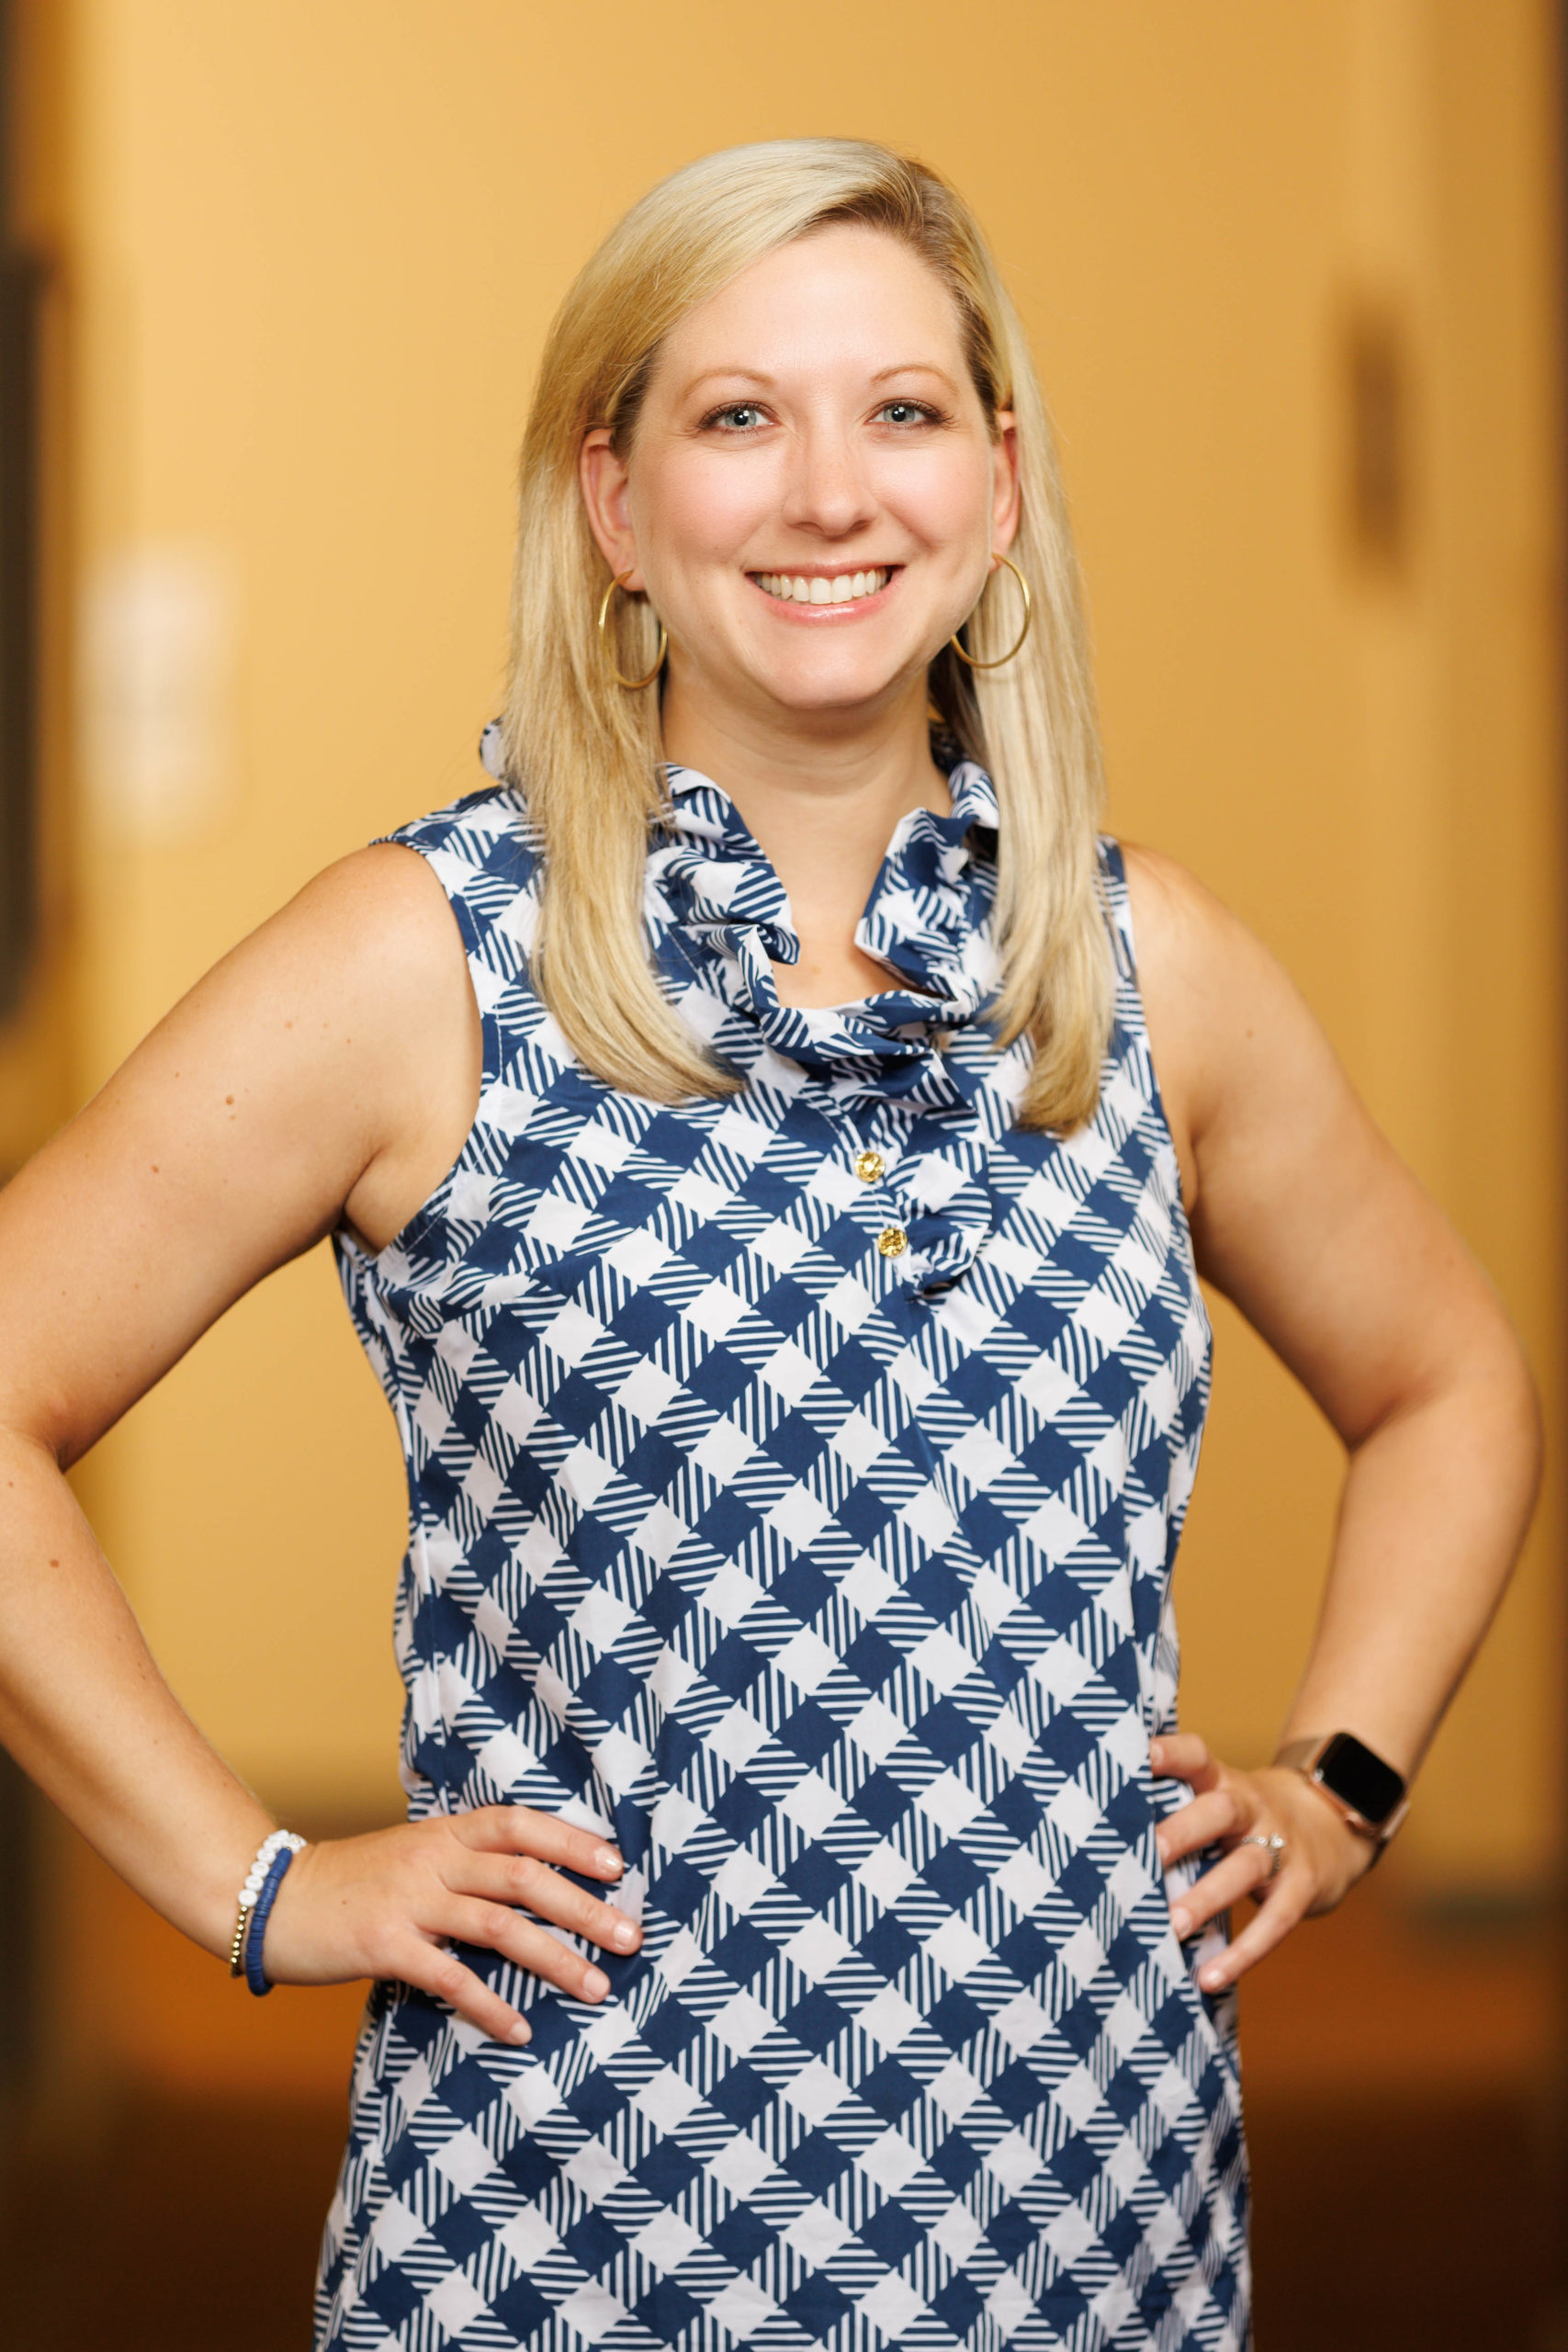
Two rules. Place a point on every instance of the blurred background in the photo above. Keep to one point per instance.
(274, 287)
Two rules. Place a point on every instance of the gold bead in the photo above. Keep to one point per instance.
(868, 1167)
(893, 1241)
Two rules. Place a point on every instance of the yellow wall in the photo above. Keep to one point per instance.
(307, 253)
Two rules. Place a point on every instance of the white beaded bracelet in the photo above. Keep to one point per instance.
(252, 1888)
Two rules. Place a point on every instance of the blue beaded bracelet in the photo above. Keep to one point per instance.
(256, 1976)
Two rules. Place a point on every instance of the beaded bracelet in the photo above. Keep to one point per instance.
(255, 1975)
(279, 1841)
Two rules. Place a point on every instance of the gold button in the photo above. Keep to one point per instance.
(868, 1167)
(892, 1240)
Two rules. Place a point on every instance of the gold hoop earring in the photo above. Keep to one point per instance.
(1024, 632)
(631, 685)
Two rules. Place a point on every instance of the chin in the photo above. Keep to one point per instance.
(834, 684)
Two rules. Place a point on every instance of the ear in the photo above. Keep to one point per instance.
(603, 477)
(1004, 486)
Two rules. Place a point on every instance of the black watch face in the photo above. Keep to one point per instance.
(1359, 1778)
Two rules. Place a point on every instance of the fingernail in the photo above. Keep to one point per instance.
(606, 1858)
(1157, 1754)
(1182, 1923)
(521, 2032)
(1212, 1979)
(623, 1935)
(595, 1983)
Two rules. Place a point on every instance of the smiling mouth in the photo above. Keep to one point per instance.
(815, 588)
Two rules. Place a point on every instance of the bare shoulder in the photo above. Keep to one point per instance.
(1233, 1042)
(325, 1072)
(1184, 933)
(1188, 946)
(1301, 1211)
(380, 911)
(341, 1036)
(370, 955)
(366, 955)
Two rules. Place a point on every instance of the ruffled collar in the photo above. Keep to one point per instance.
(717, 909)
(717, 914)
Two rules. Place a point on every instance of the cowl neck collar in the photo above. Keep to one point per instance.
(726, 917)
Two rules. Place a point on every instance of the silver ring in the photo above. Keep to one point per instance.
(1274, 1844)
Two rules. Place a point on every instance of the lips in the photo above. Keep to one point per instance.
(820, 588)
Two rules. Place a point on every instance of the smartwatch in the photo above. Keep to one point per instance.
(1368, 1794)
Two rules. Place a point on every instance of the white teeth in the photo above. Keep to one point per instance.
(793, 587)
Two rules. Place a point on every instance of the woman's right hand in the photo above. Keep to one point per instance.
(321, 1077)
(387, 1904)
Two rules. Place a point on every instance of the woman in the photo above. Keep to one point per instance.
(740, 1130)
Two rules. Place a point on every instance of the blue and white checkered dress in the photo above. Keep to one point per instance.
(795, 1485)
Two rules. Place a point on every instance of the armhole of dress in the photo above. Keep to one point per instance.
(1118, 902)
(421, 838)
(1129, 1013)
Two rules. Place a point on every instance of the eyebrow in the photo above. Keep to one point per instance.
(729, 375)
(912, 367)
(757, 376)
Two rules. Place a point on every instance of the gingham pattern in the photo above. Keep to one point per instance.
(834, 1586)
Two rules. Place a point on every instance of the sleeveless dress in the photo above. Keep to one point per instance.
(794, 1483)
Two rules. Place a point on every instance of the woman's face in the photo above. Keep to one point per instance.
(813, 497)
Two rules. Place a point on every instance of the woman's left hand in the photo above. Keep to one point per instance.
(1320, 1859)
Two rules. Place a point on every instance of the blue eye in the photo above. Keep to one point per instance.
(905, 412)
(740, 417)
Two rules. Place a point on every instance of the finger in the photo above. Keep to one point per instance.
(1242, 1872)
(523, 1830)
(1216, 1814)
(519, 1878)
(430, 1970)
(1182, 1756)
(495, 1928)
(1284, 1908)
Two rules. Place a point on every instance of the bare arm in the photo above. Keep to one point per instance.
(1304, 1215)
(327, 1069)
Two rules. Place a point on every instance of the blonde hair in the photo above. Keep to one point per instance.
(589, 754)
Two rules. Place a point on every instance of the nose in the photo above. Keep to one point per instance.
(827, 491)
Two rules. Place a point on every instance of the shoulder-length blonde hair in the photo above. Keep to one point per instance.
(589, 754)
